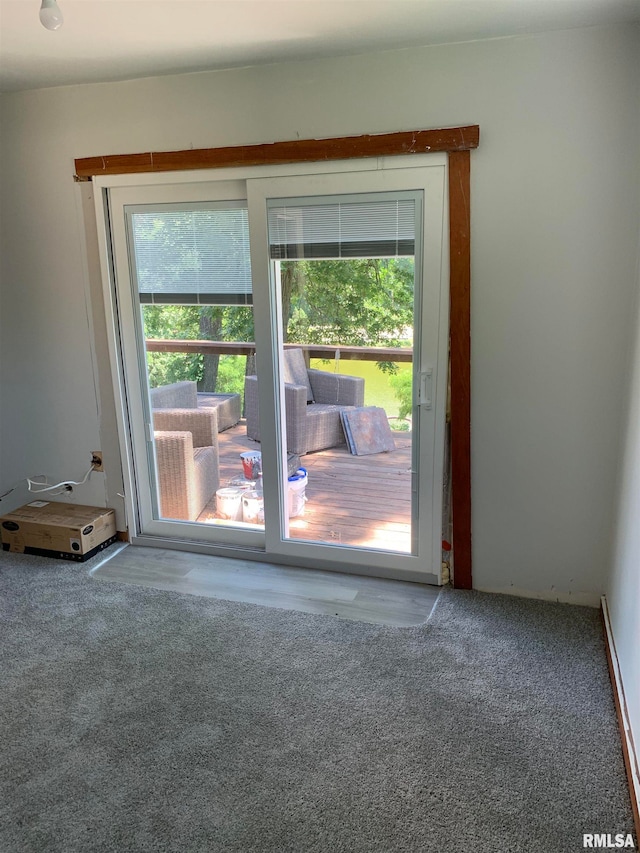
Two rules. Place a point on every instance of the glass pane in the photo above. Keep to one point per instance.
(197, 254)
(347, 357)
(199, 360)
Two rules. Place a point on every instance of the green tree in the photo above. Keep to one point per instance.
(363, 302)
(171, 322)
(191, 322)
(402, 384)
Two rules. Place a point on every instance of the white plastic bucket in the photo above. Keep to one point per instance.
(229, 503)
(297, 498)
(253, 507)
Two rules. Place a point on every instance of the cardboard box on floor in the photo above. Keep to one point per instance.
(51, 529)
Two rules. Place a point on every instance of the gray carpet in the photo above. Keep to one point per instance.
(139, 720)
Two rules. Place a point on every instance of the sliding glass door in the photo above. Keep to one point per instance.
(282, 342)
(343, 269)
(191, 273)
(184, 301)
(355, 305)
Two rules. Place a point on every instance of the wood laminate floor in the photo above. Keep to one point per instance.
(362, 599)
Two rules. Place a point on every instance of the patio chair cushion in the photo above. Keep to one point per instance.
(201, 423)
(295, 370)
(310, 426)
(227, 405)
(185, 395)
(188, 476)
(187, 456)
(178, 395)
(324, 427)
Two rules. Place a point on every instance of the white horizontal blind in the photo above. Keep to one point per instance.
(191, 255)
(367, 229)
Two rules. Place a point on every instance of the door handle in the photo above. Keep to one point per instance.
(425, 387)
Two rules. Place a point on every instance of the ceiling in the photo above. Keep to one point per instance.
(106, 40)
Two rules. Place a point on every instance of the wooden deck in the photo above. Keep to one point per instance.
(360, 501)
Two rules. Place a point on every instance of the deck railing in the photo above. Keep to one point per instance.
(329, 351)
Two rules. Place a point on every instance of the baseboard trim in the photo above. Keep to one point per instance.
(579, 599)
(626, 735)
(122, 536)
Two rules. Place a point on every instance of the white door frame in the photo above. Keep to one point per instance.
(182, 184)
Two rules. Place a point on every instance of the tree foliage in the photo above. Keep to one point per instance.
(359, 302)
(362, 302)
(403, 392)
(189, 322)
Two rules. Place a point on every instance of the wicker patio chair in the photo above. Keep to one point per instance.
(188, 465)
(313, 402)
(185, 395)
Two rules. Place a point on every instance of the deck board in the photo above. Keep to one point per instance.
(360, 501)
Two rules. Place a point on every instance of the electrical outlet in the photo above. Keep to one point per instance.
(96, 460)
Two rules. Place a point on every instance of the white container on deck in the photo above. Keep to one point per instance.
(229, 503)
(253, 507)
(297, 498)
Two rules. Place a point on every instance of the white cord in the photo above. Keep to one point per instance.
(46, 487)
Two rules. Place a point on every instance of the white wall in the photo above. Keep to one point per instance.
(554, 224)
(623, 593)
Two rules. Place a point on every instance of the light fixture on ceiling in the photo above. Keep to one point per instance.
(50, 15)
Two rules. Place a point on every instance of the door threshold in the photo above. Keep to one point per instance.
(379, 601)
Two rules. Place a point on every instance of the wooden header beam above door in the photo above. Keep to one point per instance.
(296, 151)
(457, 142)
